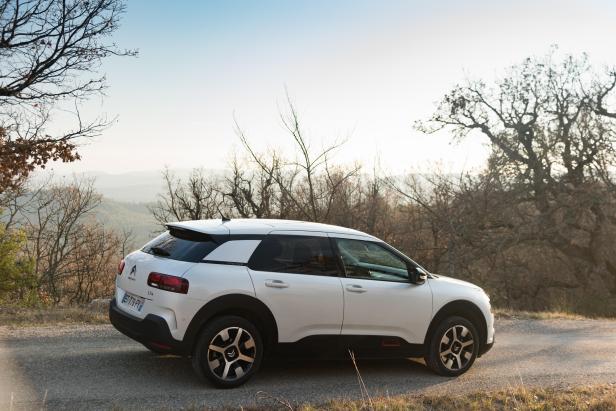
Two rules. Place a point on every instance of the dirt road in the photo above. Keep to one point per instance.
(95, 367)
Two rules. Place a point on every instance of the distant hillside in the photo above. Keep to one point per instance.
(119, 215)
(138, 187)
(134, 187)
(134, 216)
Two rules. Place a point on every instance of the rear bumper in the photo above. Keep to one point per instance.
(152, 331)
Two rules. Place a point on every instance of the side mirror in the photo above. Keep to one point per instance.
(416, 275)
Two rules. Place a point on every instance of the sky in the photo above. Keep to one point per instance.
(359, 71)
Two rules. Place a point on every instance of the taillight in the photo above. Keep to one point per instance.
(168, 283)
(121, 267)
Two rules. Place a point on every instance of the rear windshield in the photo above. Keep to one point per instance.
(181, 245)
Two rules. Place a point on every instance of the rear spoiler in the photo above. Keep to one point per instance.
(186, 234)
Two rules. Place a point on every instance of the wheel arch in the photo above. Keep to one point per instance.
(461, 308)
(241, 305)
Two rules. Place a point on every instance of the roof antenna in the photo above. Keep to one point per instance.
(224, 219)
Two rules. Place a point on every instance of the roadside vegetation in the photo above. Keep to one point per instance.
(590, 397)
(97, 313)
(13, 316)
(536, 227)
(596, 398)
(508, 314)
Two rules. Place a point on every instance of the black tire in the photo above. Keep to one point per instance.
(234, 355)
(459, 357)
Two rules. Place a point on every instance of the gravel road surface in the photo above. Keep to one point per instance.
(95, 367)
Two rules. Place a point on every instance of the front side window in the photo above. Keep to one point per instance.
(371, 261)
(295, 254)
(182, 245)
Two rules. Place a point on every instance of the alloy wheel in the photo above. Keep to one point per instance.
(456, 347)
(231, 353)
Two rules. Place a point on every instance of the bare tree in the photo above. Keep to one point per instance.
(253, 193)
(545, 120)
(91, 266)
(127, 241)
(302, 184)
(197, 198)
(49, 54)
(54, 225)
(62, 253)
(15, 201)
(536, 219)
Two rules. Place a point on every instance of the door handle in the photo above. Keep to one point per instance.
(355, 288)
(276, 284)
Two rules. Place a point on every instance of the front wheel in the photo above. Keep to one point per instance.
(453, 347)
(228, 352)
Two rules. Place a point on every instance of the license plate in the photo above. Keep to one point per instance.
(133, 302)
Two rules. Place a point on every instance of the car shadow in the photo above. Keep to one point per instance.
(104, 374)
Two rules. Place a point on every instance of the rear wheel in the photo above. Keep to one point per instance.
(229, 351)
(453, 347)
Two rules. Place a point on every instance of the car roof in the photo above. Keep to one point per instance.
(247, 226)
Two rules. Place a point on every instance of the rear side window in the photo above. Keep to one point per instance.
(182, 245)
(295, 254)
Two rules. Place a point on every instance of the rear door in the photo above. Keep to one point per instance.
(297, 277)
(173, 253)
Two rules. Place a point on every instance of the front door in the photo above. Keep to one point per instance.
(378, 298)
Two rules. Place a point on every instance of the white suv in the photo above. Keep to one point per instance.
(226, 292)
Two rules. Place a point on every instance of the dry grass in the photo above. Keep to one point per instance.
(26, 317)
(23, 316)
(504, 313)
(595, 398)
